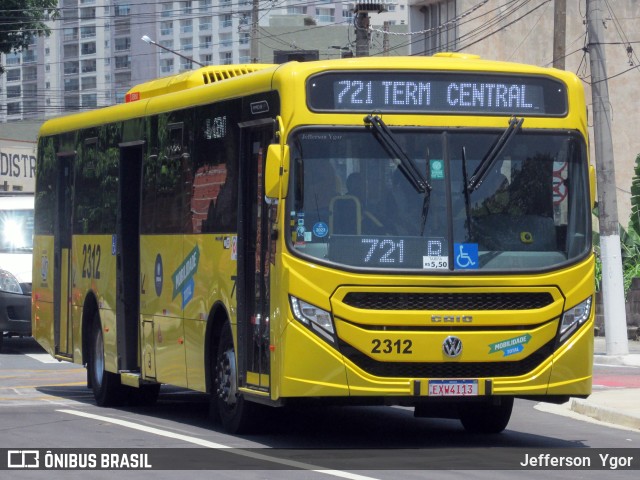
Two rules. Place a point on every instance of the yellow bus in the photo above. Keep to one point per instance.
(399, 231)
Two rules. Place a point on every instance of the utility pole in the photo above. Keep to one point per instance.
(254, 32)
(362, 32)
(615, 318)
(559, 32)
(385, 39)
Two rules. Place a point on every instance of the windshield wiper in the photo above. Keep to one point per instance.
(467, 200)
(389, 143)
(490, 157)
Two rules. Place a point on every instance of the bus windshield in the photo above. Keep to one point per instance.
(354, 205)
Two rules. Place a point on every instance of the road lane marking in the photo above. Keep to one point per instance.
(72, 384)
(219, 446)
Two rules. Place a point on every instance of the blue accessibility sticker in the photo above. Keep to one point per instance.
(465, 256)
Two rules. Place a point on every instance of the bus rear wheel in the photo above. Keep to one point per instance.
(227, 403)
(107, 389)
(486, 417)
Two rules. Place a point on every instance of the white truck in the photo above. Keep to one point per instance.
(16, 242)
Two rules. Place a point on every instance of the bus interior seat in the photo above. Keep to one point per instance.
(345, 215)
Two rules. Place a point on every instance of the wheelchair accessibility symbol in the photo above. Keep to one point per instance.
(465, 256)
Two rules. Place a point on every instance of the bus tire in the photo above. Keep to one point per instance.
(106, 386)
(486, 417)
(227, 404)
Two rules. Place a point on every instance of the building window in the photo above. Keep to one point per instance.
(13, 108)
(167, 10)
(71, 103)
(30, 74)
(30, 91)
(71, 68)
(14, 91)
(13, 75)
(88, 48)
(89, 83)
(122, 10)
(186, 26)
(88, 32)
(225, 21)
(226, 58)
(29, 56)
(123, 43)
(12, 59)
(71, 85)
(123, 62)
(166, 65)
(166, 44)
(326, 15)
(88, 13)
(205, 24)
(90, 100)
(166, 28)
(226, 40)
(88, 66)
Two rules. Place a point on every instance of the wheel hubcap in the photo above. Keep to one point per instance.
(227, 389)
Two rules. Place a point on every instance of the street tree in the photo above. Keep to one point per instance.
(23, 20)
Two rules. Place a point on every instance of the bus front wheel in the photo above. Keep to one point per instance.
(107, 389)
(228, 404)
(486, 417)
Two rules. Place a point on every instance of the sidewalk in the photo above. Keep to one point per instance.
(620, 406)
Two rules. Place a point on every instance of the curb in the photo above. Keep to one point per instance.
(630, 360)
(604, 414)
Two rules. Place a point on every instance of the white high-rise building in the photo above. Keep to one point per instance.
(95, 52)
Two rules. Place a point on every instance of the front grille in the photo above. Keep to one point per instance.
(450, 369)
(448, 301)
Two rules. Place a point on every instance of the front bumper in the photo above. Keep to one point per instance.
(15, 313)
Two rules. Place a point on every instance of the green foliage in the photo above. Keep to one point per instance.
(630, 245)
(630, 239)
(23, 21)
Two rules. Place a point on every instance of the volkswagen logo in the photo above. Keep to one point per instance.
(452, 347)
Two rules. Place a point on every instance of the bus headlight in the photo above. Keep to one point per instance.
(9, 283)
(315, 318)
(574, 318)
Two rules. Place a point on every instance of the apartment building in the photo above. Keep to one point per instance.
(95, 52)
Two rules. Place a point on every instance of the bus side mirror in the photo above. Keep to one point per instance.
(276, 181)
(592, 185)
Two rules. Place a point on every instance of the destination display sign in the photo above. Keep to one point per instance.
(437, 92)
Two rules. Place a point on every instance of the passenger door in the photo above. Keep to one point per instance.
(254, 258)
(62, 326)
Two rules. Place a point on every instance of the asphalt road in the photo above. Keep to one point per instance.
(45, 404)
